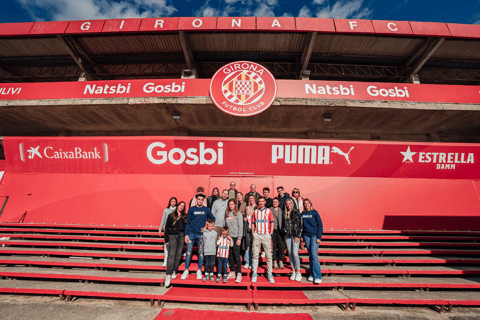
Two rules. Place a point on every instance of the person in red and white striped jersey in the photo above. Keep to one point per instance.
(224, 243)
(262, 229)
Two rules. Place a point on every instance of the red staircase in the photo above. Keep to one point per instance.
(366, 267)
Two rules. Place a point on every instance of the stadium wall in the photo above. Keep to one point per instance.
(129, 180)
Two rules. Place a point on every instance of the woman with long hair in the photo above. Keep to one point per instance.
(211, 199)
(298, 199)
(247, 231)
(172, 203)
(312, 233)
(293, 227)
(277, 235)
(174, 239)
(234, 222)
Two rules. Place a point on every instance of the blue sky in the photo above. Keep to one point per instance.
(457, 11)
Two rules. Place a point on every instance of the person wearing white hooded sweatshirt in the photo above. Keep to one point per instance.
(218, 210)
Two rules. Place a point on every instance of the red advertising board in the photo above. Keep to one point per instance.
(245, 157)
(343, 90)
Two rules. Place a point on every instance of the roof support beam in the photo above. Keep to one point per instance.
(430, 49)
(307, 52)
(187, 52)
(77, 52)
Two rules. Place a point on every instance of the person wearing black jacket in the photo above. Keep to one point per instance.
(268, 200)
(174, 240)
(293, 227)
(211, 199)
(283, 196)
(253, 192)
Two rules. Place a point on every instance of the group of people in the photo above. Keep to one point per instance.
(230, 226)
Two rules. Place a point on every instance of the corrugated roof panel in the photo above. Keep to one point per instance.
(132, 44)
(248, 42)
(380, 46)
(32, 47)
(458, 50)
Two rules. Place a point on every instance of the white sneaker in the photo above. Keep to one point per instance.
(310, 279)
(184, 275)
(199, 274)
(174, 275)
(164, 263)
(317, 281)
(167, 281)
(246, 266)
(292, 277)
(270, 278)
(239, 278)
(298, 276)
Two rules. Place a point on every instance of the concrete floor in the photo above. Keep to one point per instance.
(18, 307)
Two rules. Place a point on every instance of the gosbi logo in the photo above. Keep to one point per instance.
(73, 153)
(243, 88)
(157, 154)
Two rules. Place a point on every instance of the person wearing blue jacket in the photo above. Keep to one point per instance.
(197, 217)
(312, 233)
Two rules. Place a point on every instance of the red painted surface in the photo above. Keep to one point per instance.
(232, 157)
(49, 27)
(159, 24)
(276, 24)
(85, 26)
(15, 29)
(121, 25)
(248, 24)
(433, 29)
(353, 26)
(208, 295)
(187, 314)
(197, 23)
(336, 90)
(313, 24)
(3, 165)
(392, 27)
(371, 192)
(464, 30)
(238, 24)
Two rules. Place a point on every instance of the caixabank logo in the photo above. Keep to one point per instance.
(243, 88)
(49, 152)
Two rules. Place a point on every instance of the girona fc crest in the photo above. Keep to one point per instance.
(243, 88)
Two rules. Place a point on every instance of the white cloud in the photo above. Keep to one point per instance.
(345, 9)
(305, 12)
(319, 2)
(264, 10)
(95, 9)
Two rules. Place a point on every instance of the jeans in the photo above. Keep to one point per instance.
(312, 248)
(175, 243)
(222, 264)
(234, 257)
(293, 252)
(265, 241)
(194, 237)
(279, 244)
(209, 264)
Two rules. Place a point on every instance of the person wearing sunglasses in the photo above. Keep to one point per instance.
(297, 199)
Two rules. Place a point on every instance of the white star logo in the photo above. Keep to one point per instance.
(408, 155)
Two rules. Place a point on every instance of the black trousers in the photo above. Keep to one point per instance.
(278, 243)
(175, 248)
(234, 258)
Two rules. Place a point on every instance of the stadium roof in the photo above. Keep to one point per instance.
(332, 49)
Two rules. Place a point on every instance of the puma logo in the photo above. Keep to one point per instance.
(340, 152)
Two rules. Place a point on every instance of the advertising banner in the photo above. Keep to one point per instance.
(346, 90)
(241, 157)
